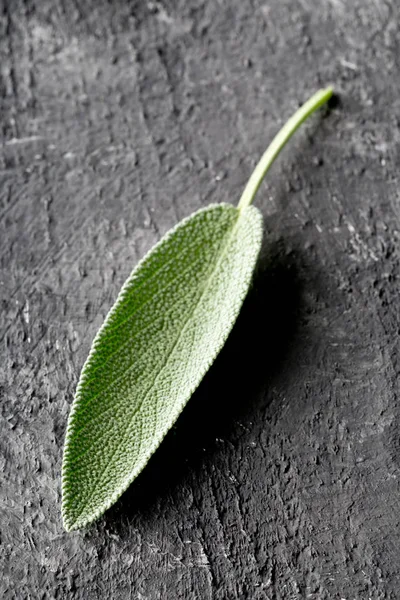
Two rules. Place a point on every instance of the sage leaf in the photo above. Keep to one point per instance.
(169, 322)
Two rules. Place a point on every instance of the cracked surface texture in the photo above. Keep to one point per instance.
(281, 477)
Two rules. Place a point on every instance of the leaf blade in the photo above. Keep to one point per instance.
(134, 386)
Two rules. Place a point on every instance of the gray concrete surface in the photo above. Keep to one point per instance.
(281, 479)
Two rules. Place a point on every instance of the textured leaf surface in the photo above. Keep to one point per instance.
(171, 319)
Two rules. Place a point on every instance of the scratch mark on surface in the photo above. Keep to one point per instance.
(25, 140)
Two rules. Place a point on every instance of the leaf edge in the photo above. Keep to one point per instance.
(81, 523)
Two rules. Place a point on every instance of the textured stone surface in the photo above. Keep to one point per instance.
(280, 480)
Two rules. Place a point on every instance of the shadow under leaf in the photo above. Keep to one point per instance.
(232, 390)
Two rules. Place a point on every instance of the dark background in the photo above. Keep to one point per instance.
(281, 478)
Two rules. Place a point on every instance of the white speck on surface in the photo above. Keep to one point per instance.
(351, 228)
(25, 313)
(361, 250)
(202, 560)
(348, 64)
(24, 140)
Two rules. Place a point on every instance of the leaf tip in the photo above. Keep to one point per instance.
(70, 523)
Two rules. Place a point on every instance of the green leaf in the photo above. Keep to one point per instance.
(169, 322)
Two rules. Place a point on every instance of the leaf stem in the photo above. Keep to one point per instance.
(279, 141)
